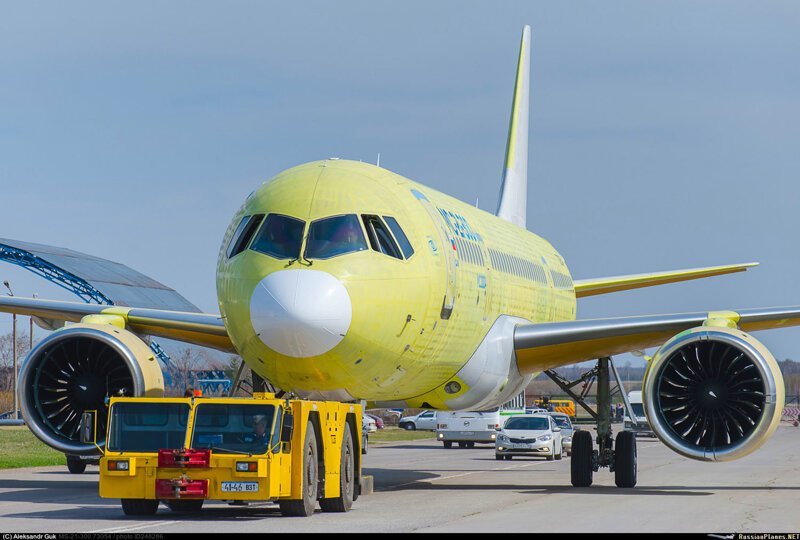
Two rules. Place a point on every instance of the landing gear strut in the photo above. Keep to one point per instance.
(618, 455)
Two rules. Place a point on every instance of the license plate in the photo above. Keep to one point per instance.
(240, 487)
(520, 445)
(468, 433)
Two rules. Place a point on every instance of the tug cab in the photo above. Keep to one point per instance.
(184, 451)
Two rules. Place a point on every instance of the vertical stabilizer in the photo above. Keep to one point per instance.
(514, 190)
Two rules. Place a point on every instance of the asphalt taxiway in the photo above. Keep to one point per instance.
(419, 486)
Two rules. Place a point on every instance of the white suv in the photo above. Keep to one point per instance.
(423, 420)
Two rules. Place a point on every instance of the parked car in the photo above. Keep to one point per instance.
(378, 420)
(529, 435)
(368, 421)
(423, 420)
(567, 430)
(364, 438)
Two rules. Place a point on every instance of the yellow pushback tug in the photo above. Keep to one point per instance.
(184, 451)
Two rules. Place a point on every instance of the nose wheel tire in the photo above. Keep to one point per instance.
(139, 507)
(75, 465)
(581, 459)
(305, 506)
(186, 505)
(625, 459)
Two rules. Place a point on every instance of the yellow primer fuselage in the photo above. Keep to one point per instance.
(401, 344)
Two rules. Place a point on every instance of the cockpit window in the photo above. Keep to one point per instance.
(280, 237)
(405, 245)
(244, 232)
(379, 237)
(334, 236)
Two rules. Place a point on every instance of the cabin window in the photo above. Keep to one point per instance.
(280, 237)
(334, 236)
(244, 232)
(379, 237)
(400, 236)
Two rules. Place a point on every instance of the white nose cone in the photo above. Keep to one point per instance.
(300, 313)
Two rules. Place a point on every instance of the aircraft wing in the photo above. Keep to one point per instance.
(591, 287)
(545, 346)
(197, 328)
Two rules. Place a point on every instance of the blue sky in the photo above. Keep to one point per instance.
(663, 134)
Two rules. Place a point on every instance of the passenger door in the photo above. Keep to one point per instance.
(446, 250)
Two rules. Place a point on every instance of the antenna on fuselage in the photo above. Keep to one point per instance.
(514, 189)
(378, 164)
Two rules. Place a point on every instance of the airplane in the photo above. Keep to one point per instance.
(341, 280)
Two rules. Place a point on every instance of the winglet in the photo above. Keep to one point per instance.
(514, 190)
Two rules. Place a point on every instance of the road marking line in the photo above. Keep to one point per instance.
(126, 528)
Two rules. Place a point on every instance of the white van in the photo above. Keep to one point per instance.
(642, 426)
(467, 428)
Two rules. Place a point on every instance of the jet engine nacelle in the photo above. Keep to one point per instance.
(713, 393)
(73, 370)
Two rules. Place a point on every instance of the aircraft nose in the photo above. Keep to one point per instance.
(300, 313)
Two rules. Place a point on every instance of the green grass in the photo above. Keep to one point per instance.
(391, 434)
(20, 448)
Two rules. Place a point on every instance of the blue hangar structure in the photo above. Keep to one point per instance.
(101, 281)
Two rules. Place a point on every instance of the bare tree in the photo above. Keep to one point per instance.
(7, 356)
(181, 370)
(184, 365)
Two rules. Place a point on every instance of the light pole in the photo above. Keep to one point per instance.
(30, 344)
(13, 353)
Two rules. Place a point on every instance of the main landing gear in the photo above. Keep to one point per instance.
(618, 454)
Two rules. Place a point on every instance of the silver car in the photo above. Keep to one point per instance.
(529, 435)
(369, 423)
(563, 421)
